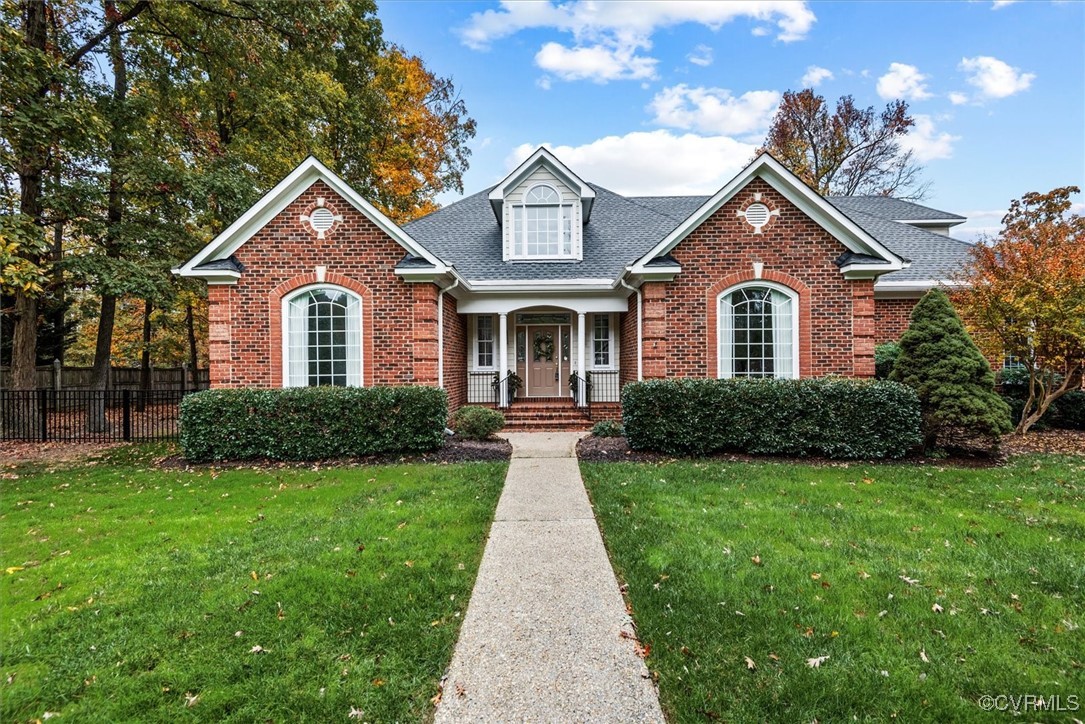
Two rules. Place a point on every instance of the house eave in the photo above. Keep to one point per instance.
(912, 288)
(211, 276)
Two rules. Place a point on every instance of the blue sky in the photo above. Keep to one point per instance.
(673, 97)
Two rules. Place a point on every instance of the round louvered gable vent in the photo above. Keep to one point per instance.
(321, 219)
(757, 215)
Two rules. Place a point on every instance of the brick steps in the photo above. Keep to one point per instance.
(545, 414)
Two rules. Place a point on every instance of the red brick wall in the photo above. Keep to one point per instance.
(399, 319)
(455, 355)
(891, 317)
(627, 343)
(680, 316)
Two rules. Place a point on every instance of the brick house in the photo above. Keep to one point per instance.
(559, 281)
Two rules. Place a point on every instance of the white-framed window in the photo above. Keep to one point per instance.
(484, 342)
(322, 337)
(601, 341)
(542, 226)
(758, 331)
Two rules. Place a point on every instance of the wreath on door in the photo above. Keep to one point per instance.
(543, 347)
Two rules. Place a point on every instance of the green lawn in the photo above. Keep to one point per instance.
(926, 588)
(144, 593)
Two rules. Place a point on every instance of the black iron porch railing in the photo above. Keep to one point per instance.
(581, 385)
(510, 382)
(480, 387)
(605, 385)
(90, 415)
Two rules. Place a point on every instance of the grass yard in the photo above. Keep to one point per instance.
(135, 593)
(915, 591)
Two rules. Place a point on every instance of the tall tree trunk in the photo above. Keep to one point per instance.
(193, 360)
(32, 163)
(59, 313)
(145, 357)
(23, 419)
(96, 410)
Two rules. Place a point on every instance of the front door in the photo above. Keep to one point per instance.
(543, 362)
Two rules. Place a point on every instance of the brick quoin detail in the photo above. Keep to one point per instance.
(712, 315)
(680, 316)
(275, 313)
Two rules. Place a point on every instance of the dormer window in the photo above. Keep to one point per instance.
(542, 226)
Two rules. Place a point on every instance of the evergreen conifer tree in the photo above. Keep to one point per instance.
(952, 378)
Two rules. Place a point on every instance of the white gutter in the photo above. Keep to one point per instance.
(441, 332)
(640, 333)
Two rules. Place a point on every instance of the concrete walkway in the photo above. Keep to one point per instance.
(543, 636)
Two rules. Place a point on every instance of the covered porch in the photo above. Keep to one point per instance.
(537, 353)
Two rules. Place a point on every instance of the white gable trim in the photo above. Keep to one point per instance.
(278, 198)
(850, 234)
(543, 157)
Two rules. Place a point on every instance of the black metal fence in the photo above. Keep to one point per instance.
(90, 415)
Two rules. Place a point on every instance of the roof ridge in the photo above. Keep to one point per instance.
(633, 200)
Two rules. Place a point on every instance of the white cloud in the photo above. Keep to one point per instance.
(993, 77)
(543, 82)
(926, 143)
(958, 99)
(701, 55)
(814, 76)
(714, 110)
(903, 81)
(597, 63)
(652, 163)
(999, 4)
(608, 35)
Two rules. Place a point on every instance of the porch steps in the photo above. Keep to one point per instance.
(554, 414)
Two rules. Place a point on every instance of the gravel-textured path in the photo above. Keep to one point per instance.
(546, 636)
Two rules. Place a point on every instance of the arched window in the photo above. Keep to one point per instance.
(322, 337)
(542, 225)
(758, 331)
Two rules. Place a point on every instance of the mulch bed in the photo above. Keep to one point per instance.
(453, 451)
(1066, 442)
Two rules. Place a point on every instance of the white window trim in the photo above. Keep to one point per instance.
(474, 344)
(589, 347)
(756, 283)
(285, 330)
(518, 244)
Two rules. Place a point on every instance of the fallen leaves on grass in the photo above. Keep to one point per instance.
(355, 713)
(191, 699)
(817, 661)
(756, 560)
(258, 650)
(750, 663)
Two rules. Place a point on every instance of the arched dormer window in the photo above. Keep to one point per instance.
(542, 225)
(758, 331)
(322, 337)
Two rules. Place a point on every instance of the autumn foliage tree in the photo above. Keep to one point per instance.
(846, 151)
(1023, 294)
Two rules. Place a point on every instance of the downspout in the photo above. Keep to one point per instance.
(640, 331)
(441, 332)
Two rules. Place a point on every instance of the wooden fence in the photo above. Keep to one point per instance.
(55, 377)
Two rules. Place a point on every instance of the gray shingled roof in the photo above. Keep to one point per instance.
(466, 235)
(886, 207)
(622, 229)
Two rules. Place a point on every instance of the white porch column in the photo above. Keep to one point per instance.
(503, 358)
(580, 360)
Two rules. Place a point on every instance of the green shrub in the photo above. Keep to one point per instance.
(477, 423)
(885, 356)
(310, 423)
(1069, 411)
(953, 379)
(833, 417)
(608, 428)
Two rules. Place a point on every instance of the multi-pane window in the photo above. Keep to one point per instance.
(484, 341)
(323, 338)
(757, 326)
(601, 340)
(542, 226)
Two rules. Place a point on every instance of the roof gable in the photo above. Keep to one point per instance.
(851, 235)
(543, 157)
(271, 204)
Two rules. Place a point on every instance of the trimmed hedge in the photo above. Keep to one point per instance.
(311, 423)
(831, 417)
